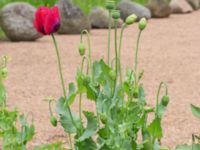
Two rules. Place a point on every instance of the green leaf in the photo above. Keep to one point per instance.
(52, 146)
(91, 126)
(80, 82)
(2, 93)
(188, 147)
(97, 70)
(195, 111)
(87, 144)
(129, 76)
(65, 117)
(155, 128)
(22, 120)
(103, 133)
(72, 94)
(141, 96)
(92, 92)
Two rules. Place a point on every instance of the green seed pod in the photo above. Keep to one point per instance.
(3, 73)
(81, 49)
(142, 23)
(112, 74)
(131, 19)
(54, 121)
(165, 100)
(115, 14)
(110, 5)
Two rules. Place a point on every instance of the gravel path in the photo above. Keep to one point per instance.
(170, 52)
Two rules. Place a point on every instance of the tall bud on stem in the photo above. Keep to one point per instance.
(116, 16)
(110, 5)
(142, 25)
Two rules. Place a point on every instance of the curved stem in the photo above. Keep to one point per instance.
(50, 110)
(119, 51)
(114, 61)
(136, 55)
(89, 47)
(109, 35)
(158, 93)
(82, 64)
(63, 85)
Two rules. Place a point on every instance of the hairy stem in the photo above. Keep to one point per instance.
(116, 54)
(158, 94)
(119, 52)
(109, 35)
(80, 96)
(89, 47)
(136, 55)
(63, 85)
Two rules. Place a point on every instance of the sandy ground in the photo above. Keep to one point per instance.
(170, 52)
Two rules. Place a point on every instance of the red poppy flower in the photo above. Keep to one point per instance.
(47, 20)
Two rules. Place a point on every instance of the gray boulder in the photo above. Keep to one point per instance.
(159, 8)
(99, 18)
(180, 6)
(128, 7)
(194, 3)
(16, 20)
(73, 21)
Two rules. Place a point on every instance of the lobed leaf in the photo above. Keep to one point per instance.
(195, 111)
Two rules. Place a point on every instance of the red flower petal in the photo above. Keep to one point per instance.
(52, 22)
(40, 17)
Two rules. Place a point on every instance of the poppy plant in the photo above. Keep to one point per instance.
(47, 20)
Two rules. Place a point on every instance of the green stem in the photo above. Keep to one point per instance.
(109, 35)
(63, 85)
(136, 55)
(116, 53)
(158, 94)
(50, 110)
(119, 51)
(89, 47)
(80, 96)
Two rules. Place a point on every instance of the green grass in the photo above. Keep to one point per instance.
(35, 3)
(2, 35)
(87, 5)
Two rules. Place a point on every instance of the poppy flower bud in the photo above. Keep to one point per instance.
(54, 121)
(3, 73)
(110, 4)
(115, 14)
(131, 19)
(81, 49)
(165, 100)
(142, 23)
(47, 20)
(112, 74)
